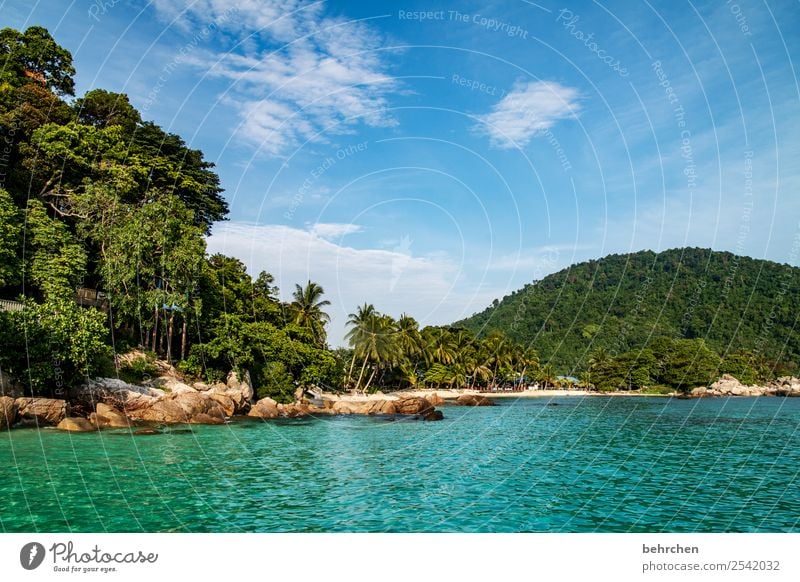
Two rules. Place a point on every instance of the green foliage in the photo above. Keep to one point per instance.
(258, 346)
(193, 367)
(34, 57)
(679, 364)
(687, 364)
(10, 230)
(308, 310)
(397, 354)
(53, 345)
(114, 203)
(102, 108)
(276, 383)
(621, 302)
(56, 261)
(139, 369)
(746, 367)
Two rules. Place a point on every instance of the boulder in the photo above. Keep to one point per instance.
(240, 402)
(239, 393)
(320, 411)
(166, 410)
(226, 402)
(345, 407)
(41, 411)
(246, 387)
(785, 386)
(435, 399)
(433, 414)
(76, 424)
(365, 407)
(379, 407)
(119, 394)
(474, 400)
(294, 410)
(172, 385)
(727, 385)
(108, 417)
(186, 407)
(203, 418)
(201, 386)
(195, 404)
(146, 431)
(412, 405)
(264, 408)
(8, 412)
(700, 392)
(232, 380)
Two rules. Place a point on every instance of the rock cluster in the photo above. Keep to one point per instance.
(41, 411)
(474, 400)
(727, 385)
(8, 412)
(31, 411)
(116, 404)
(409, 406)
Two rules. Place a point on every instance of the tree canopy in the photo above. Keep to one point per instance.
(625, 303)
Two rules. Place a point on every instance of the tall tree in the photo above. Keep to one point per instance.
(33, 56)
(308, 313)
(357, 334)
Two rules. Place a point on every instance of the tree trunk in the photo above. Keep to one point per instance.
(155, 327)
(361, 375)
(169, 335)
(350, 371)
(375, 371)
(183, 339)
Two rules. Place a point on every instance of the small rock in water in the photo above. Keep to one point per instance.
(146, 431)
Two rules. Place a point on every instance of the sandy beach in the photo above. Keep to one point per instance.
(454, 394)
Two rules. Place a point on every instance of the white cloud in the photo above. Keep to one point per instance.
(309, 75)
(329, 230)
(528, 109)
(429, 288)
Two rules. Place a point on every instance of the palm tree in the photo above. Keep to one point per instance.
(373, 339)
(497, 353)
(528, 358)
(308, 313)
(439, 346)
(387, 349)
(376, 342)
(408, 336)
(357, 335)
(547, 375)
(599, 359)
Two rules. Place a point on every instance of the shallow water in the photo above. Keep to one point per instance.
(588, 464)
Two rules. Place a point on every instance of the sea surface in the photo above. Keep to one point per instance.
(579, 464)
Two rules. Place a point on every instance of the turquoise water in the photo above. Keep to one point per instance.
(589, 464)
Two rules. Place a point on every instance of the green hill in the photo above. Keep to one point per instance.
(625, 302)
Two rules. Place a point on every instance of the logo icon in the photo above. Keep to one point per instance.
(31, 555)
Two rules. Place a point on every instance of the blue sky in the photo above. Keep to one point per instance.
(429, 157)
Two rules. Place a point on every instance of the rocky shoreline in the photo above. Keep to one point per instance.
(727, 385)
(111, 403)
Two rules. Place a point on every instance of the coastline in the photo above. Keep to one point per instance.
(456, 392)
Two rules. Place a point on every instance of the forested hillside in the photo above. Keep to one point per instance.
(624, 303)
(103, 217)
